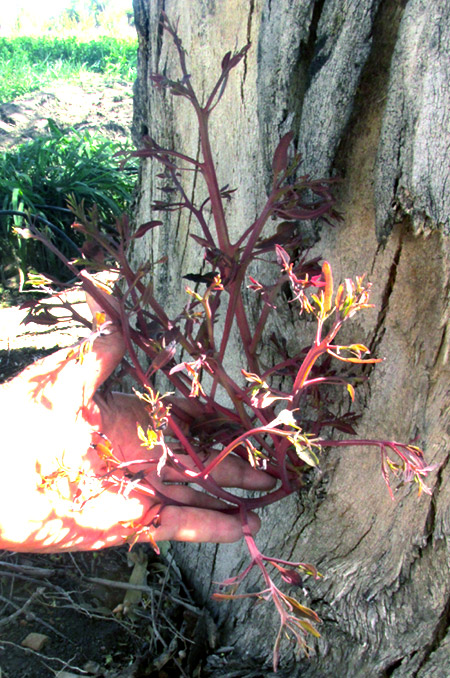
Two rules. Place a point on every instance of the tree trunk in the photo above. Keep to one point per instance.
(364, 85)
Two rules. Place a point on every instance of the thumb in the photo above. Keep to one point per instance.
(98, 290)
(70, 377)
(93, 360)
(98, 357)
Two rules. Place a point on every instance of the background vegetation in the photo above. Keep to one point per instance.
(30, 63)
(85, 19)
(38, 177)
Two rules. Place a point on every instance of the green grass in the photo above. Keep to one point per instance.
(27, 64)
(39, 176)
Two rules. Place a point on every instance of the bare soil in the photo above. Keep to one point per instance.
(94, 104)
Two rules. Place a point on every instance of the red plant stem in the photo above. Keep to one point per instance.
(252, 503)
(159, 311)
(290, 362)
(236, 310)
(75, 315)
(262, 320)
(244, 331)
(313, 354)
(209, 173)
(176, 430)
(235, 392)
(133, 281)
(196, 212)
(229, 448)
(254, 231)
(181, 55)
(229, 318)
(151, 492)
(161, 154)
(319, 347)
(209, 322)
(207, 483)
(173, 378)
(360, 442)
(253, 549)
(280, 454)
(288, 563)
(255, 553)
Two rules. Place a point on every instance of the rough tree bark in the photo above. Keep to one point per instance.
(364, 85)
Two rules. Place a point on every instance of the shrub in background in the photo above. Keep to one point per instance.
(36, 181)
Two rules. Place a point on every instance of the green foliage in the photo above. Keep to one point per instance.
(26, 63)
(40, 175)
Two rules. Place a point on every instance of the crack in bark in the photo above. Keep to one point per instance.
(379, 330)
(251, 10)
(312, 48)
(301, 75)
(442, 350)
(430, 523)
(389, 670)
(441, 629)
(358, 542)
(213, 567)
(293, 549)
(141, 18)
(160, 32)
(370, 96)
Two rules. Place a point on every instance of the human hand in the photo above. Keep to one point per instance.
(57, 490)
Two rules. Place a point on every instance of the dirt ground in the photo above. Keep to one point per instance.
(108, 614)
(93, 104)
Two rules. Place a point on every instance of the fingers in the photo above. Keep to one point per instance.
(108, 350)
(121, 414)
(188, 496)
(200, 525)
(113, 520)
(97, 365)
(232, 472)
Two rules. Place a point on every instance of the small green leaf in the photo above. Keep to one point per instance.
(307, 456)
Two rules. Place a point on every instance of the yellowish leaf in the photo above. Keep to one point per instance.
(309, 628)
(328, 294)
(301, 610)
